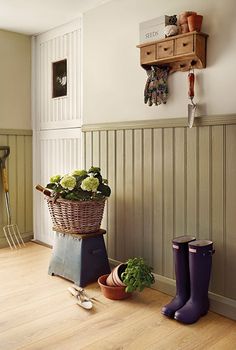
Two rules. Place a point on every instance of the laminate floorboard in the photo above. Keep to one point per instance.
(38, 313)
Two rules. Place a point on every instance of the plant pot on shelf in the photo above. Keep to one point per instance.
(195, 23)
(183, 28)
(183, 21)
(113, 293)
(183, 17)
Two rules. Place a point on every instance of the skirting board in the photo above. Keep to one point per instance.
(218, 303)
(36, 241)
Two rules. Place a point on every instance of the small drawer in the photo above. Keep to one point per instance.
(184, 45)
(165, 49)
(148, 54)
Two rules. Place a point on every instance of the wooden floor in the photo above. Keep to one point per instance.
(37, 312)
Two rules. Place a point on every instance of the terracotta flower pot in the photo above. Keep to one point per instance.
(114, 279)
(113, 293)
(195, 23)
(184, 28)
(183, 17)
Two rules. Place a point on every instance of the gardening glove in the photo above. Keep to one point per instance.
(156, 89)
(150, 88)
(161, 87)
(146, 89)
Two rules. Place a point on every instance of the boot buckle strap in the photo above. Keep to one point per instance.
(191, 250)
(210, 252)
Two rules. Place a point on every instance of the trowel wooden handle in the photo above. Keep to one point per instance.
(43, 190)
(191, 79)
(5, 180)
(73, 291)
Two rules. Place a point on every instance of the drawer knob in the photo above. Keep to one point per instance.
(148, 52)
(185, 44)
(165, 48)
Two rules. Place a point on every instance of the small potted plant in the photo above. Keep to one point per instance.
(126, 278)
(76, 201)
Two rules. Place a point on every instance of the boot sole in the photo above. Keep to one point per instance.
(203, 314)
(167, 315)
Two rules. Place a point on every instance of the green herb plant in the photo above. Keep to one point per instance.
(137, 275)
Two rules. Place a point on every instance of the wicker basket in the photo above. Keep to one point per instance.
(76, 216)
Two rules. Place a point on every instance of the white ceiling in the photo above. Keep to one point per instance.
(36, 16)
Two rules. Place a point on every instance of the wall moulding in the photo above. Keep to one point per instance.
(211, 120)
(21, 132)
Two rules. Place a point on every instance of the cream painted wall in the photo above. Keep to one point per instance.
(15, 89)
(114, 81)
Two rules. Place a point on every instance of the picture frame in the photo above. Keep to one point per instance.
(59, 78)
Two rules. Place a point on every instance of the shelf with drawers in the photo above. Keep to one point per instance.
(180, 52)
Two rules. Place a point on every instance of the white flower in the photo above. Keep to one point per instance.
(68, 182)
(55, 178)
(79, 173)
(90, 184)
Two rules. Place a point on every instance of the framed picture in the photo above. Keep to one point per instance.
(59, 78)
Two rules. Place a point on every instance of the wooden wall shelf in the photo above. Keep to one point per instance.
(180, 52)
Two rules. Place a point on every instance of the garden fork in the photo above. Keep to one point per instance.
(11, 231)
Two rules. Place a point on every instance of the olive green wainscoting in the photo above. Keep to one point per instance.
(168, 180)
(19, 169)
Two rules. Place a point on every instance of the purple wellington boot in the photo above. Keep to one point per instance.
(180, 252)
(200, 259)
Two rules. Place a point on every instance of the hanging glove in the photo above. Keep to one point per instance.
(156, 89)
(150, 88)
(147, 94)
(162, 85)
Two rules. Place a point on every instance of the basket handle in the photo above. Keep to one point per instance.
(43, 190)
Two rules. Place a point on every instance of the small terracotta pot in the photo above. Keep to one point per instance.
(114, 279)
(183, 17)
(195, 23)
(113, 293)
(184, 28)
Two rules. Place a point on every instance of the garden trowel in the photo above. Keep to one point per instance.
(191, 107)
(82, 299)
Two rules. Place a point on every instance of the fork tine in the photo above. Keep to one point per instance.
(9, 235)
(13, 236)
(12, 228)
(6, 236)
(19, 234)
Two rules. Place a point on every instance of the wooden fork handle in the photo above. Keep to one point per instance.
(5, 180)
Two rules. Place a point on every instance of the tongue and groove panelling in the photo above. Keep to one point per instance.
(168, 180)
(54, 46)
(19, 169)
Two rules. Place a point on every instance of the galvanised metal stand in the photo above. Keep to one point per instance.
(80, 258)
